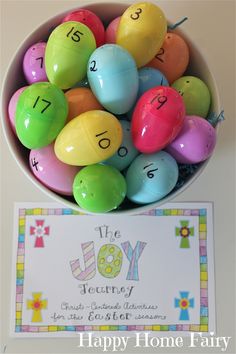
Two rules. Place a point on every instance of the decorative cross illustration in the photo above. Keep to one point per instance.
(37, 305)
(184, 231)
(39, 231)
(184, 303)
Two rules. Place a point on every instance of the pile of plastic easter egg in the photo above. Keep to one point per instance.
(107, 113)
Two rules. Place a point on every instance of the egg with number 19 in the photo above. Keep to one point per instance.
(157, 119)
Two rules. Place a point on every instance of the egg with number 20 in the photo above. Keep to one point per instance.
(157, 119)
(91, 137)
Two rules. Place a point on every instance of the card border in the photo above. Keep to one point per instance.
(203, 326)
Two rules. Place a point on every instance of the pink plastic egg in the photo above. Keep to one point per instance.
(12, 106)
(51, 172)
(157, 119)
(91, 20)
(33, 63)
(112, 30)
(195, 142)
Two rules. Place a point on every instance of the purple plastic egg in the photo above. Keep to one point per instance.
(51, 172)
(33, 63)
(195, 142)
(12, 106)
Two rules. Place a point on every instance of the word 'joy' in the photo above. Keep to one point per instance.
(109, 260)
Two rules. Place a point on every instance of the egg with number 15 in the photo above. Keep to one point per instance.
(67, 52)
(157, 119)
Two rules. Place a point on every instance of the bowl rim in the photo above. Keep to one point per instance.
(7, 130)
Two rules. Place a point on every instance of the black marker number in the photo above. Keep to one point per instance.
(34, 163)
(135, 16)
(41, 61)
(123, 151)
(159, 54)
(93, 66)
(74, 36)
(104, 143)
(160, 99)
(150, 173)
(48, 103)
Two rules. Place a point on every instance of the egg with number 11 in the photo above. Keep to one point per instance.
(157, 119)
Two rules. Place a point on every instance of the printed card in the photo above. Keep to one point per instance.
(74, 273)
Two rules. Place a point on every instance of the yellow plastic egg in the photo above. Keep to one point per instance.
(141, 31)
(90, 138)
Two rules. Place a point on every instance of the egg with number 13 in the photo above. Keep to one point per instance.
(67, 52)
(157, 119)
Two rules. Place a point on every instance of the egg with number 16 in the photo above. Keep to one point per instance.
(157, 119)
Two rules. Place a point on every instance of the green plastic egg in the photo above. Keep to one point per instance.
(41, 113)
(67, 53)
(196, 95)
(99, 188)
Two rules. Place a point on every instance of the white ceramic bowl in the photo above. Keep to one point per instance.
(14, 79)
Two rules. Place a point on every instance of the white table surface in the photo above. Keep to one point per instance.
(211, 26)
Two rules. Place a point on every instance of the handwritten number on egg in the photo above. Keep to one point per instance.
(160, 99)
(104, 143)
(123, 151)
(48, 103)
(93, 66)
(75, 36)
(34, 163)
(135, 16)
(159, 54)
(150, 173)
(41, 61)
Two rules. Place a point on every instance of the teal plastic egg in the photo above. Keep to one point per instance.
(150, 177)
(126, 152)
(113, 78)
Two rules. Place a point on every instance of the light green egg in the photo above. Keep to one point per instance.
(67, 53)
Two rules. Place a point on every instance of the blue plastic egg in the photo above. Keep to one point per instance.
(113, 78)
(149, 78)
(126, 152)
(150, 177)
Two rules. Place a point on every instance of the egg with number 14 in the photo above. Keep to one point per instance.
(157, 119)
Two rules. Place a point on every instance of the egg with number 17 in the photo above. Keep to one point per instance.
(41, 113)
(157, 119)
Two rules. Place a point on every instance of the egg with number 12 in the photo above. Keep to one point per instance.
(157, 119)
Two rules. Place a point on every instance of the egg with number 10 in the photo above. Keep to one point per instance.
(157, 119)
(150, 177)
(91, 137)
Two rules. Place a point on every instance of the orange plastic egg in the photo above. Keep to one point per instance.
(173, 57)
(81, 100)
